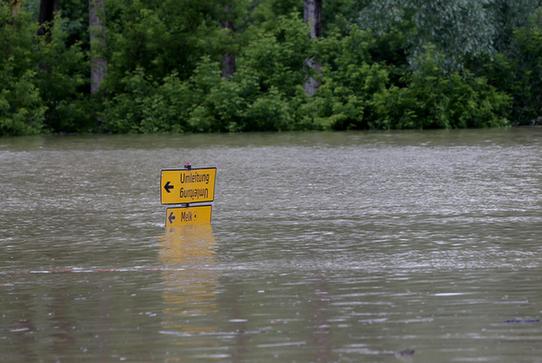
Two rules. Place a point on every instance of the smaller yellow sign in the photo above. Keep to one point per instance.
(183, 216)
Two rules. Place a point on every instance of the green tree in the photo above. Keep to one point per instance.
(62, 79)
(458, 28)
(22, 110)
(518, 70)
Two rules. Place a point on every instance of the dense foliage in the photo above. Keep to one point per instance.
(386, 64)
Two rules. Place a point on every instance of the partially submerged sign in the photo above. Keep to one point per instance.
(191, 185)
(182, 216)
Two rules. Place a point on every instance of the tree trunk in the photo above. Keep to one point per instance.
(228, 65)
(228, 60)
(98, 63)
(15, 7)
(46, 15)
(312, 15)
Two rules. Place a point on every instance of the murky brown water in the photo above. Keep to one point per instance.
(325, 247)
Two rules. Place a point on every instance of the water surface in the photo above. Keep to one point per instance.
(325, 247)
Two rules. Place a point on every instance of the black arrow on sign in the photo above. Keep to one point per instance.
(168, 187)
(171, 218)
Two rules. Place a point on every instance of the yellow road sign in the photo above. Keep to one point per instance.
(182, 216)
(180, 186)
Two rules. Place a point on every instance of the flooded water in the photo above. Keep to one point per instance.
(325, 247)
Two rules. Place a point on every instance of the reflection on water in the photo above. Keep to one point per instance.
(190, 282)
(325, 247)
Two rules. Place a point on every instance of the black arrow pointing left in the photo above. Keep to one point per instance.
(171, 218)
(168, 187)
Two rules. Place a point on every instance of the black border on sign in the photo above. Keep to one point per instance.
(190, 206)
(183, 169)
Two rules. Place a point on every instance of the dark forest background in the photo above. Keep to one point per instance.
(145, 66)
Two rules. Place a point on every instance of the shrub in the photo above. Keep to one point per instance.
(22, 109)
(62, 78)
(434, 98)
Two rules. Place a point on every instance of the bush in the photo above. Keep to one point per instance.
(518, 71)
(22, 110)
(350, 79)
(203, 103)
(276, 56)
(434, 98)
(43, 79)
(62, 79)
(269, 112)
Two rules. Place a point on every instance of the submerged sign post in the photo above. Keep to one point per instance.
(184, 187)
